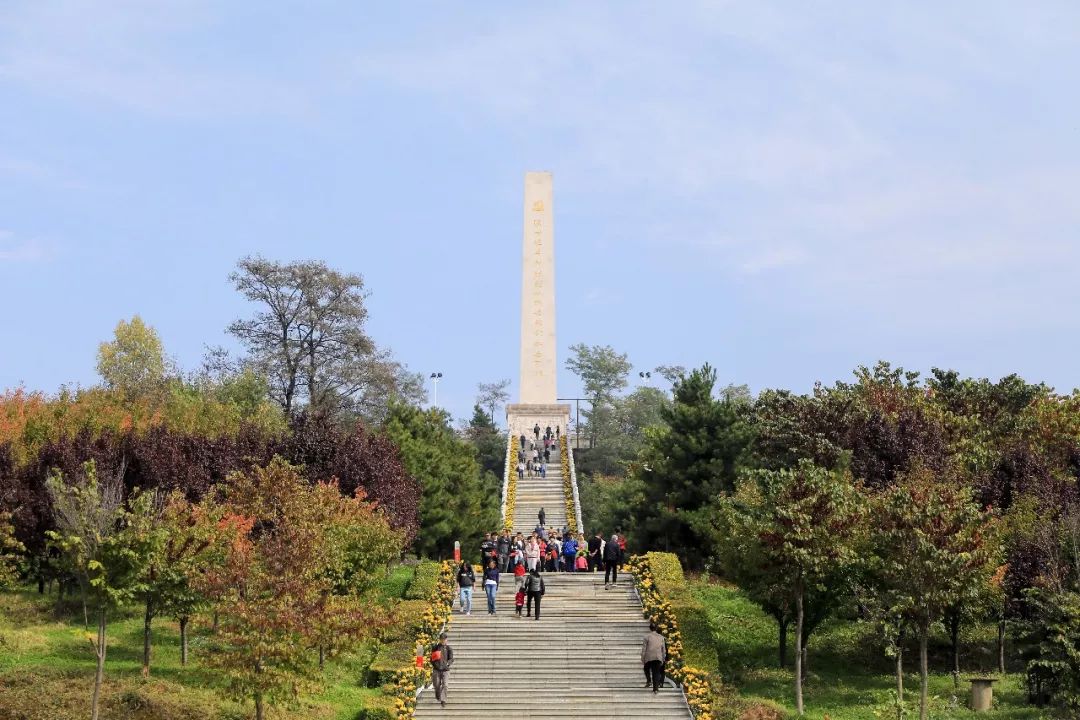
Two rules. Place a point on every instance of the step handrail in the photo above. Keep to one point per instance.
(574, 489)
(506, 476)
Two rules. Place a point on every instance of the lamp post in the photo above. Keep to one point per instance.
(647, 377)
(436, 376)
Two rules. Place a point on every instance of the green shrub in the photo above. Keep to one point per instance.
(393, 586)
(424, 581)
(380, 707)
(388, 660)
(668, 573)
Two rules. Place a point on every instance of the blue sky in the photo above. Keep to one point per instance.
(783, 191)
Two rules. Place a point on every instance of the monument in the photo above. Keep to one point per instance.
(537, 400)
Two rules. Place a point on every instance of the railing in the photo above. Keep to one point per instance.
(506, 474)
(574, 487)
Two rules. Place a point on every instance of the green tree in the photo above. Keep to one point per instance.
(686, 464)
(603, 372)
(493, 395)
(186, 537)
(932, 545)
(458, 501)
(489, 443)
(104, 543)
(134, 361)
(805, 525)
(10, 551)
(611, 503)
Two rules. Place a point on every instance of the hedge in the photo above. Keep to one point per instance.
(667, 572)
(424, 581)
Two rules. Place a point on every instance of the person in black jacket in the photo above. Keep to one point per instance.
(487, 550)
(466, 578)
(534, 590)
(595, 543)
(541, 516)
(502, 547)
(612, 560)
(442, 657)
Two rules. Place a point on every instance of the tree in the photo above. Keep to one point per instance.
(488, 442)
(360, 460)
(308, 339)
(458, 502)
(804, 526)
(186, 539)
(686, 464)
(671, 373)
(104, 544)
(602, 370)
(10, 551)
(274, 590)
(134, 362)
(932, 545)
(493, 395)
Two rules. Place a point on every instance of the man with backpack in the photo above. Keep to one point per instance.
(442, 657)
(534, 590)
(569, 550)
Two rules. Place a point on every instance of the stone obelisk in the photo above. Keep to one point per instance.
(539, 365)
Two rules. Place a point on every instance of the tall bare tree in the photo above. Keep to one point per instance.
(308, 339)
(492, 395)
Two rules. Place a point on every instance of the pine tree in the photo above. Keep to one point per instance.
(457, 502)
(687, 464)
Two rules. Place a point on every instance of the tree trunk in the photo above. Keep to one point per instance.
(148, 619)
(954, 637)
(899, 680)
(798, 650)
(214, 628)
(924, 670)
(322, 656)
(1001, 645)
(783, 641)
(183, 640)
(100, 675)
(258, 706)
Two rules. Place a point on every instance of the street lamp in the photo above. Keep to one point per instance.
(436, 376)
(646, 376)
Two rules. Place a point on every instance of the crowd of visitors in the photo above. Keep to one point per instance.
(545, 550)
(534, 461)
(525, 559)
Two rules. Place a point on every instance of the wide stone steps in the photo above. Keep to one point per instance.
(580, 660)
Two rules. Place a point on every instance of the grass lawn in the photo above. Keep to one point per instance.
(849, 676)
(47, 668)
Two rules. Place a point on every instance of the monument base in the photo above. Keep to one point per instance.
(522, 418)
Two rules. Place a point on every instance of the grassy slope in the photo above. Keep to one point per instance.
(849, 678)
(47, 667)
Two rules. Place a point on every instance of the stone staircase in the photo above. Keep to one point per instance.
(580, 660)
(534, 493)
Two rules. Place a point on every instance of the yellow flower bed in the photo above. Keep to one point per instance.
(511, 487)
(695, 683)
(568, 488)
(435, 618)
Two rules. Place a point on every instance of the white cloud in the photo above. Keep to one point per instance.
(123, 54)
(880, 149)
(14, 250)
